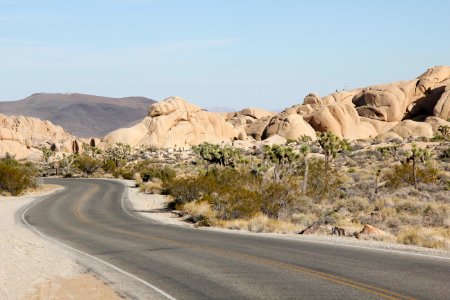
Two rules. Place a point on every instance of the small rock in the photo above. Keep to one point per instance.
(369, 229)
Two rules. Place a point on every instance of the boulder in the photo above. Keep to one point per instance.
(22, 137)
(436, 122)
(442, 107)
(312, 98)
(386, 102)
(315, 228)
(432, 78)
(256, 113)
(290, 126)
(409, 128)
(343, 120)
(275, 139)
(175, 123)
(369, 229)
(380, 126)
(389, 137)
(256, 129)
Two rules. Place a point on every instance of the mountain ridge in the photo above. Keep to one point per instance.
(81, 114)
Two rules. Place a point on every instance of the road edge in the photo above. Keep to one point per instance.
(22, 212)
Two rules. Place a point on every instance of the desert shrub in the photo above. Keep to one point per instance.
(151, 187)
(239, 203)
(445, 155)
(234, 194)
(402, 175)
(435, 215)
(15, 178)
(164, 173)
(323, 182)
(87, 164)
(200, 212)
(124, 172)
(420, 237)
(109, 166)
(353, 204)
(278, 200)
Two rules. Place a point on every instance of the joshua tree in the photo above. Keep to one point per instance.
(91, 150)
(118, 153)
(67, 161)
(444, 130)
(46, 154)
(215, 154)
(331, 146)
(304, 150)
(283, 157)
(416, 155)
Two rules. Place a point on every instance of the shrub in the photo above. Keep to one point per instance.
(16, 178)
(277, 200)
(87, 164)
(164, 173)
(420, 237)
(200, 213)
(322, 181)
(109, 166)
(402, 175)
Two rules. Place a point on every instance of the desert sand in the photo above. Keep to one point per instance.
(33, 268)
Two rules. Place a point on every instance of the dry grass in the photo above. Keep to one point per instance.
(151, 187)
(425, 237)
(201, 213)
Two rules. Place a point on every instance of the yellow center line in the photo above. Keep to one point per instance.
(386, 294)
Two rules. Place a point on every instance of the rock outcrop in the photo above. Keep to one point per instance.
(387, 111)
(398, 108)
(22, 137)
(176, 123)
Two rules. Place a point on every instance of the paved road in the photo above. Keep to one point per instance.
(192, 264)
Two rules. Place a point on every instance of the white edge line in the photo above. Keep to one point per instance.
(91, 256)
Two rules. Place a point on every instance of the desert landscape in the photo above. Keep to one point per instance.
(329, 179)
(368, 165)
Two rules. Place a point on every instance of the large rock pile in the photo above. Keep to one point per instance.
(394, 110)
(22, 137)
(402, 108)
(176, 123)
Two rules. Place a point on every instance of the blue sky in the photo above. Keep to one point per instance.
(231, 53)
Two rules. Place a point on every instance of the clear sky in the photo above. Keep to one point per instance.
(231, 53)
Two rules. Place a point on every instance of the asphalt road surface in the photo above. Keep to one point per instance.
(184, 263)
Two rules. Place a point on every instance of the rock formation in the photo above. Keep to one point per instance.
(22, 137)
(387, 111)
(176, 123)
(402, 108)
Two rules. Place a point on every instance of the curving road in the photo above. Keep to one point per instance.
(185, 263)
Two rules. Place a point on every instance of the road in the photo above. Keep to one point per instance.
(187, 263)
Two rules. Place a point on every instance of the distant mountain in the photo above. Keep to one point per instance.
(79, 114)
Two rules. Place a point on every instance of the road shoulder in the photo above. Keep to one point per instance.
(32, 267)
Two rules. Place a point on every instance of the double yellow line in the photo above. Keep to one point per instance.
(383, 293)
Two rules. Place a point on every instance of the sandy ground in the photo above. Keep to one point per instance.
(33, 268)
(152, 206)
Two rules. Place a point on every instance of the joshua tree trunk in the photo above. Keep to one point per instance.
(305, 176)
(414, 173)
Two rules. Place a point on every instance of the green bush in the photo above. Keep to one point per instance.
(234, 194)
(124, 172)
(323, 182)
(109, 166)
(402, 175)
(16, 178)
(149, 171)
(87, 164)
